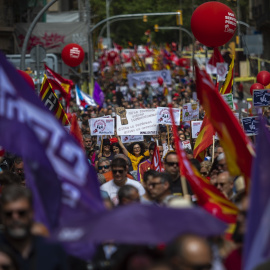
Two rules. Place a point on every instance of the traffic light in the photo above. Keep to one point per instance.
(144, 18)
(156, 27)
(179, 18)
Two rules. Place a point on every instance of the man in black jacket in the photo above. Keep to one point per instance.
(32, 252)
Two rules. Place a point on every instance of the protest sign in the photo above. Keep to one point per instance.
(261, 98)
(164, 117)
(250, 125)
(131, 138)
(136, 122)
(229, 100)
(195, 128)
(101, 126)
(186, 144)
(149, 76)
(222, 71)
(190, 111)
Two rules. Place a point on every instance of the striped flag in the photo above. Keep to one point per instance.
(51, 101)
(227, 86)
(237, 147)
(204, 139)
(208, 196)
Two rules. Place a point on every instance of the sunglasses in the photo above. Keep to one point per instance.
(105, 167)
(153, 185)
(204, 173)
(21, 213)
(171, 164)
(117, 171)
(219, 184)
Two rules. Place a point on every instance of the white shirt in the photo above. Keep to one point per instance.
(111, 188)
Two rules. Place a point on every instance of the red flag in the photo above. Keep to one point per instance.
(208, 196)
(156, 161)
(237, 147)
(216, 57)
(76, 131)
(204, 139)
(57, 82)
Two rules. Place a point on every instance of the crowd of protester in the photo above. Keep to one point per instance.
(126, 176)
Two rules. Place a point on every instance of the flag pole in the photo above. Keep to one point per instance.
(184, 185)
(213, 149)
(101, 145)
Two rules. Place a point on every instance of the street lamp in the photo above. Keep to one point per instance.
(108, 2)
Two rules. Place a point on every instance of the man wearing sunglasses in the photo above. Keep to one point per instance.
(120, 170)
(103, 165)
(32, 252)
(172, 168)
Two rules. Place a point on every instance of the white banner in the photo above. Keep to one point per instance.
(101, 126)
(131, 138)
(164, 117)
(190, 111)
(149, 76)
(136, 122)
(195, 128)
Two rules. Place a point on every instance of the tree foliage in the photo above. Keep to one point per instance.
(133, 30)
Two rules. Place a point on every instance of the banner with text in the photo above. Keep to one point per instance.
(164, 117)
(261, 98)
(136, 122)
(131, 138)
(250, 125)
(101, 126)
(190, 111)
(149, 76)
(229, 100)
(195, 128)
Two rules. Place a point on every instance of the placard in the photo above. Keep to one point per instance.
(228, 99)
(195, 128)
(164, 116)
(131, 138)
(186, 144)
(190, 111)
(250, 125)
(261, 98)
(136, 121)
(101, 126)
(222, 69)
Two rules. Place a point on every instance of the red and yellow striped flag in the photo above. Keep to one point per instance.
(204, 139)
(208, 196)
(227, 86)
(51, 101)
(237, 147)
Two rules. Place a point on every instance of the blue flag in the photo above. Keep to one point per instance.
(257, 239)
(64, 185)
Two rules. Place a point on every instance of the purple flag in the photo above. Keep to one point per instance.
(98, 95)
(65, 187)
(257, 239)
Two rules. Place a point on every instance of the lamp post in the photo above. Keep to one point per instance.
(108, 2)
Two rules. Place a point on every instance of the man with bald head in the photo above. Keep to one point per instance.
(225, 184)
(189, 252)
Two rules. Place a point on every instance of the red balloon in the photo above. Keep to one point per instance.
(72, 55)
(28, 78)
(263, 77)
(255, 86)
(213, 24)
(160, 81)
(183, 62)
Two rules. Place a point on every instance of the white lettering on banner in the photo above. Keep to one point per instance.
(70, 195)
(71, 234)
(67, 158)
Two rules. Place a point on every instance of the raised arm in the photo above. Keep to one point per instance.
(125, 151)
